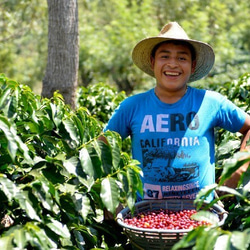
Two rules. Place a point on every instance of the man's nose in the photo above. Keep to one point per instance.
(172, 62)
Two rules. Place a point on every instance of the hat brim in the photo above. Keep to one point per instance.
(205, 57)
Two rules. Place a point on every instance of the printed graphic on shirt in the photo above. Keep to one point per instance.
(157, 165)
(169, 122)
(158, 168)
(164, 179)
(184, 191)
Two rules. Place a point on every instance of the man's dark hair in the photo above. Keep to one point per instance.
(176, 42)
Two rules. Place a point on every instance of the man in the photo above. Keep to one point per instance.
(172, 125)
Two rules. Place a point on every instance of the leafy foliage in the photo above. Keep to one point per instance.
(238, 91)
(100, 99)
(57, 177)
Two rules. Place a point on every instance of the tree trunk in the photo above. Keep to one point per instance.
(63, 50)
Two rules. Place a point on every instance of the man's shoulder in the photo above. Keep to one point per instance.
(214, 95)
(138, 98)
(211, 94)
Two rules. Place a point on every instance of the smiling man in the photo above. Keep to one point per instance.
(172, 125)
(172, 64)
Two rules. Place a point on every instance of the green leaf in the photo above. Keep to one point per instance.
(133, 179)
(233, 164)
(90, 161)
(230, 191)
(79, 240)
(8, 187)
(88, 124)
(57, 113)
(6, 242)
(206, 216)
(80, 129)
(223, 242)
(20, 239)
(72, 129)
(82, 205)
(71, 165)
(42, 190)
(12, 107)
(4, 97)
(206, 240)
(26, 204)
(188, 240)
(58, 228)
(14, 141)
(241, 240)
(86, 162)
(67, 204)
(84, 237)
(38, 236)
(122, 177)
(10, 134)
(245, 182)
(9, 101)
(114, 141)
(110, 194)
(204, 192)
(106, 157)
(227, 146)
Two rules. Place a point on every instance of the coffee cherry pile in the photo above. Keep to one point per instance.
(165, 219)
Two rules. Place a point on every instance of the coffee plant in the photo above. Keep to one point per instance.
(101, 99)
(57, 177)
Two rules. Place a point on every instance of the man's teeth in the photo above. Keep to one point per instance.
(171, 73)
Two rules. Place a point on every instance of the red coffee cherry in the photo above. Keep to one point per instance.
(165, 219)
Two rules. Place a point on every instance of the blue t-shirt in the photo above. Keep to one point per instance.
(175, 142)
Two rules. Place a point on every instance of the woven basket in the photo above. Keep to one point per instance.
(142, 238)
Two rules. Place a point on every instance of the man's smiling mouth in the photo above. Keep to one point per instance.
(171, 73)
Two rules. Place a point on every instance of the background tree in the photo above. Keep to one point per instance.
(108, 31)
(62, 66)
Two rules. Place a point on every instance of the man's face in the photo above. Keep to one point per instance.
(172, 66)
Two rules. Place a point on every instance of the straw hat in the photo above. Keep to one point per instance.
(173, 31)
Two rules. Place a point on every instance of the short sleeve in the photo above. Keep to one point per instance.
(231, 117)
(119, 121)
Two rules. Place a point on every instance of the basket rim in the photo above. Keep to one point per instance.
(120, 216)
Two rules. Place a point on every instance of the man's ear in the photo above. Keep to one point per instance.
(193, 66)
